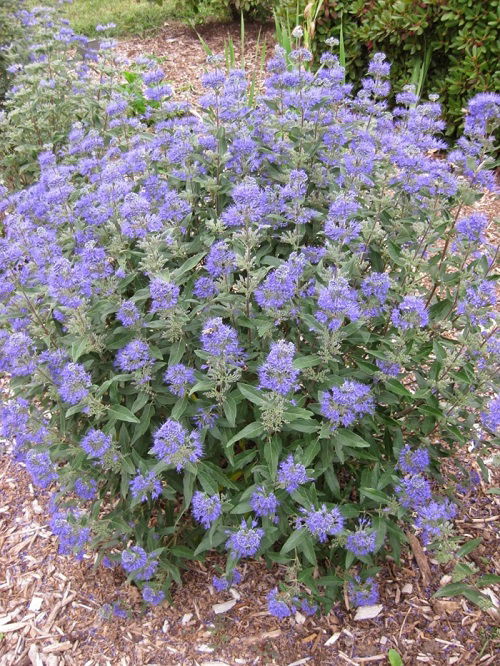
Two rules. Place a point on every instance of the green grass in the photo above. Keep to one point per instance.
(132, 17)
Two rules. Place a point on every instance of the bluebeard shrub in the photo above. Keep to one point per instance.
(56, 77)
(253, 328)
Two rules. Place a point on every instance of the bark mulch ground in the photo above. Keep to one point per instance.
(52, 607)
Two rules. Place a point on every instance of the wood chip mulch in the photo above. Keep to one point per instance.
(52, 606)
(184, 58)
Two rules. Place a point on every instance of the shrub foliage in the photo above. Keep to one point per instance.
(255, 328)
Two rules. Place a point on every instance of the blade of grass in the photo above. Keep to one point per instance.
(341, 41)
(242, 40)
(203, 43)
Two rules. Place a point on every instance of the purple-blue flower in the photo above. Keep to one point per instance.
(86, 489)
(432, 517)
(264, 503)
(95, 443)
(277, 373)
(292, 474)
(220, 260)
(363, 593)
(277, 606)
(337, 301)
(134, 356)
(413, 461)
(491, 418)
(363, 541)
(206, 509)
(128, 314)
(143, 485)
(41, 468)
(322, 522)
(174, 445)
(343, 405)
(414, 491)
(245, 542)
(164, 295)
(472, 227)
(179, 379)
(221, 341)
(153, 597)
(410, 313)
(205, 287)
(74, 383)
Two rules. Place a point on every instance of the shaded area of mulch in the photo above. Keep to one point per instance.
(51, 606)
(183, 55)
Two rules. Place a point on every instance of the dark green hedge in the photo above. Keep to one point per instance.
(457, 39)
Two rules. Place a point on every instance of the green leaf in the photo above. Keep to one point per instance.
(306, 362)
(146, 416)
(294, 540)
(188, 265)
(394, 658)
(468, 547)
(461, 571)
(252, 394)
(230, 410)
(375, 495)
(493, 491)
(179, 408)
(121, 413)
(272, 452)
(488, 579)
(453, 589)
(176, 352)
(396, 387)
(349, 438)
(251, 431)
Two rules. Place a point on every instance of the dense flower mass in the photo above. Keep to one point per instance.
(246, 540)
(322, 523)
(292, 474)
(345, 404)
(206, 509)
(267, 308)
(221, 340)
(277, 373)
(174, 445)
(134, 356)
(179, 379)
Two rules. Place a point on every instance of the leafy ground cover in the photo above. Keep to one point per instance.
(131, 17)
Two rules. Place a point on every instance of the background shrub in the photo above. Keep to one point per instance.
(258, 329)
(56, 80)
(451, 45)
(10, 31)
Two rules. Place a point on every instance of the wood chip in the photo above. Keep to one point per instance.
(57, 647)
(333, 638)
(420, 557)
(224, 607)
(368, 612)
(35, 604)
(13, 626)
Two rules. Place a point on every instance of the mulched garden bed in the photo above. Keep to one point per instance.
(54, 610)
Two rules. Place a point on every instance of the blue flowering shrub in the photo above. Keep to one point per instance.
(56, 78)
(253, 328)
